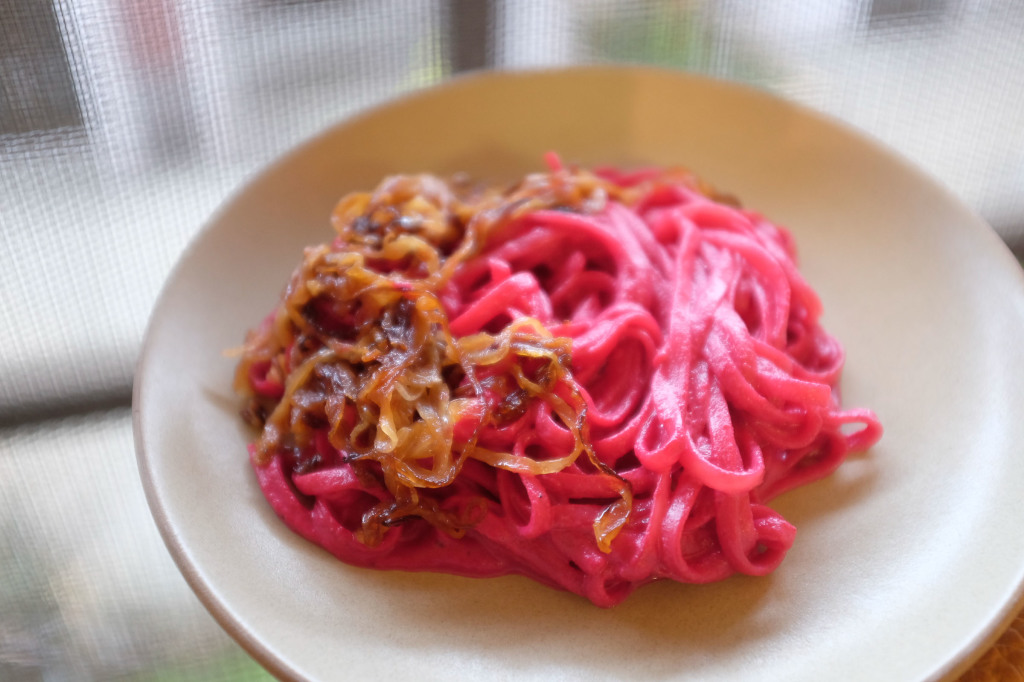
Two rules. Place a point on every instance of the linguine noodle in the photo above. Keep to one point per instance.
(594, 379)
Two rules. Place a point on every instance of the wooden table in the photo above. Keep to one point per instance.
(1004, 662)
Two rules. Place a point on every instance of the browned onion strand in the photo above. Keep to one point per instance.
(362, 345)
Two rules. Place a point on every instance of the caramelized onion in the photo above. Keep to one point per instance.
(365, 308)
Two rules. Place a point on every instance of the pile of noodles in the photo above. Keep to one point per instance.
(594, 379)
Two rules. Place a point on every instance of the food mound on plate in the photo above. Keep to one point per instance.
(594, 379)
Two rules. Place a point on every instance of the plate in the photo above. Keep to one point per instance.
(908, 561)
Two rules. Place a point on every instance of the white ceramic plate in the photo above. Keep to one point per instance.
(908, 561)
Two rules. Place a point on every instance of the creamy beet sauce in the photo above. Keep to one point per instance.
(594, 379)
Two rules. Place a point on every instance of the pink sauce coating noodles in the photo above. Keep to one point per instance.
(699, 381)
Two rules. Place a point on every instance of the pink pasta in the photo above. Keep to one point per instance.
(595, 380)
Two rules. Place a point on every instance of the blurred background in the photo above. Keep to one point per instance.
(123, 124)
